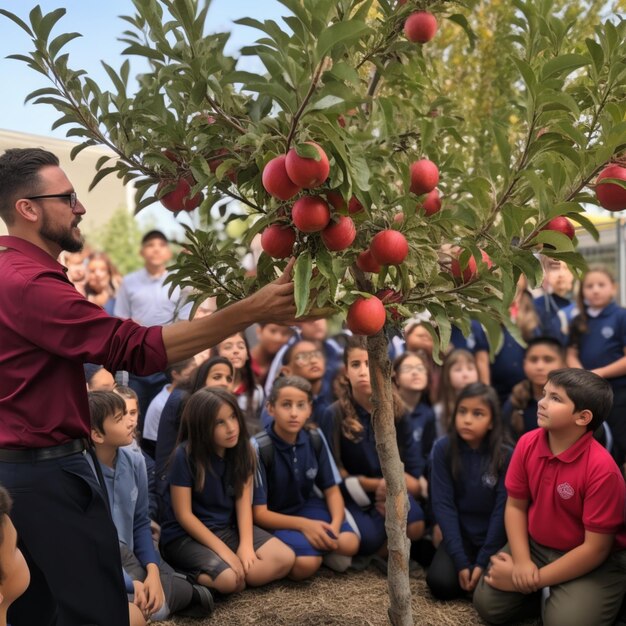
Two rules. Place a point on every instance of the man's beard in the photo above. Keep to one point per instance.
(62, 237)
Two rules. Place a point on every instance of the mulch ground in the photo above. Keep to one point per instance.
(351, 599)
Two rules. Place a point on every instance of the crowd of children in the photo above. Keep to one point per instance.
(251, 465)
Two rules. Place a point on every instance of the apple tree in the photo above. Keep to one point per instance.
(352, 148)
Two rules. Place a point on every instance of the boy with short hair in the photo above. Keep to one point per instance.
(564, 515)
(124, 472)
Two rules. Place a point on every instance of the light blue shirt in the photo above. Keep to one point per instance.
(153, 414)
(127, 488)
(146, 300)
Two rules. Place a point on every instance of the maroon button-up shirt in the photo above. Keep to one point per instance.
(47, 331)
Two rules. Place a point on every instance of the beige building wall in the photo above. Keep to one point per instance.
(107, 197)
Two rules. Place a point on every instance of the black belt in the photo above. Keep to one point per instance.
(43, 454)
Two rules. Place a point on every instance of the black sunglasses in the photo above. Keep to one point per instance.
(70, 197)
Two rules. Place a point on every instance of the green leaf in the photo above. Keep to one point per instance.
(14, 18)
(58, 42)
(339, 33)
(325, 103)
(302, 273)
(597, 55)
(527, 74)
(563, 65)
(307, 151)
(461, 20)
(559, 241)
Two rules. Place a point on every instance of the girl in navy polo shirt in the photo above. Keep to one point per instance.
(207, 532)
(468, 493)
(598, 343)
(348, 422)
(296, 491)
(410, 375)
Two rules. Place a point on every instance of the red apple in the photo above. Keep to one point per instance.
(335, 199)
(172, 156)
(389, 247)
(432, 203)
(562, 225)
(611, 196)
(339, 235)
(307, 173)
(179, 199)
(424, 176)
(275, 179)
(367, 263)
(420, 27)
(277, 241)
(310, 214)
(354, 206)
(366, 316)
(215, 163)
(471, 270)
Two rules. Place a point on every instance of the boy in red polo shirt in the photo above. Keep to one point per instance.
(564, 515)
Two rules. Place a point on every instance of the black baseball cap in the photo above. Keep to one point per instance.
(153, 234)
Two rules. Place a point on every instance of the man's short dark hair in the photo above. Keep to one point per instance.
(153, 234)
(103, 404)
(587, 391)
(19, 177)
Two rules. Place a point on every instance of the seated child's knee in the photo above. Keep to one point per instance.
(304, 567)
(348, 544)
(227, 582)
(415, 530)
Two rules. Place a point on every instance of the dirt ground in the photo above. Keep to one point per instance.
(354, 598)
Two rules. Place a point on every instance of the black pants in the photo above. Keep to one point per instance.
(70, 544)
(177, 589)
(443, 578)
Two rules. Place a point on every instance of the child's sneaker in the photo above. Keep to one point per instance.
(202, 603)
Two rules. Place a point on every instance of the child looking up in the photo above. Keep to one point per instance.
(312, 526)
(271, 338)
(598, 343)
(14, 574)
(249, 393)
(207, 531)
(543, 355)
(348, 424)
(410, 375)
(124, 472)
(564, 515)
(467, 492)
(459, 369)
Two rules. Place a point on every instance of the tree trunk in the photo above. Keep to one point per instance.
(397, 503)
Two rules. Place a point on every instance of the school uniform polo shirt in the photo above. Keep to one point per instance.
(470, 507)
(214, 505)
(47, 331)
(422, 420)
(604, 341)
(296, 470)
(361, 457)
(580, 489)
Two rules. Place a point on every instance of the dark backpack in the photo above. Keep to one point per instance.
(266, 447)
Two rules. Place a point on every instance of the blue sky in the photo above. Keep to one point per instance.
(100, 25)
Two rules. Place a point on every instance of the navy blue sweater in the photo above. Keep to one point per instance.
(471, 508)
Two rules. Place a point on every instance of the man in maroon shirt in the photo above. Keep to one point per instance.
(47, 332)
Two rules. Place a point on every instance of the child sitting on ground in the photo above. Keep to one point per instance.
(467, 492)
(124, 471)
(207, 531)
(311, 524)
(564, 515)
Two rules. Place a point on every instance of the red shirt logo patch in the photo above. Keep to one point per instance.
(565, 490)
